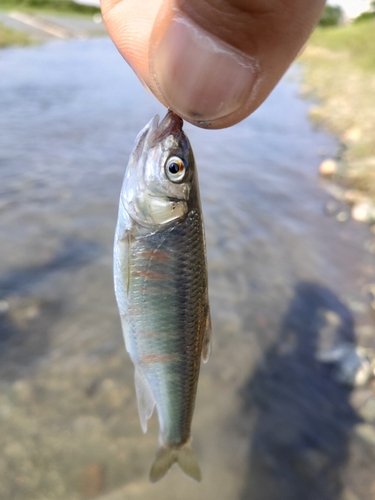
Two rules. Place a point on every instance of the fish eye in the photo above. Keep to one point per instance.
(175, 169)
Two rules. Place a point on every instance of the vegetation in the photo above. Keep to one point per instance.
(355, 41)
(332, 16)
(10, 37)
(366, 16)
(62, 6)
(340, 72)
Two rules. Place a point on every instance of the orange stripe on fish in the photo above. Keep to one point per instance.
(150, 275)
(157, 255)
(150, 335)
(158, 358)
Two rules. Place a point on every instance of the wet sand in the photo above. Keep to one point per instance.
(271, 421)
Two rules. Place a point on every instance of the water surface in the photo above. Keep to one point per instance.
(271, 422)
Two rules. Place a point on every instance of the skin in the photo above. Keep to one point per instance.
(212, 61)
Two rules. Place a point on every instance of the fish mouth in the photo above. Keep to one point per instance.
(170, 125)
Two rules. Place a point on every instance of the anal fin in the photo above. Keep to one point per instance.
(145, 399)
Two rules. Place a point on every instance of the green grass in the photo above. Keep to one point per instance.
(10, 37)
(339, 65)
(56, 6)
(357, 40)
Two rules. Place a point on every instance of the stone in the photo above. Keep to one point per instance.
(23, 311)
(92, 480)
(328, 168)
(87, 423)
(366, 432)
(331, 207)
(367, 410)
(360, 396)
(113, 395)
(353, 365)
(357, 306)
(352, 196)
(23, 391)
(331, 323)
(365, 331)
(316, 113)
(363, 211)
(352, 134)
(4, 306)
(349, 495)
(15, 451)
(342, 216)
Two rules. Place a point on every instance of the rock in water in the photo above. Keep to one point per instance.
(328, 168)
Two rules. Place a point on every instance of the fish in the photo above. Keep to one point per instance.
(161, 286)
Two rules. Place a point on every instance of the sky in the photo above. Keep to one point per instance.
(352, 8)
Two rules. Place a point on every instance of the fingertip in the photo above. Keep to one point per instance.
(202, 78)
(212, 67)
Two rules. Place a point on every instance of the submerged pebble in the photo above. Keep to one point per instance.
(23, 391)
(331, 207)
(342, 216)
(92, 480)
(4, 306)
(367, 410)
(354, 365)
(366, 432)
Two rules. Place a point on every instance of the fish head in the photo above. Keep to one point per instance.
(160, 174)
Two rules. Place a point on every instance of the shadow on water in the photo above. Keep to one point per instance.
(301, 416)
(73, 255)
(27, 314)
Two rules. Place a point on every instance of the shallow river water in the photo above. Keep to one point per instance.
(271, 421)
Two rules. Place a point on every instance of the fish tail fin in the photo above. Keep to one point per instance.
(166, 457)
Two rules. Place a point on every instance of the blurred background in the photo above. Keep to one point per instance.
(286, 405)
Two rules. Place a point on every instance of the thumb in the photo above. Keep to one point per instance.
(212, 61)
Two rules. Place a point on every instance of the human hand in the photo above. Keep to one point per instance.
(213, 62)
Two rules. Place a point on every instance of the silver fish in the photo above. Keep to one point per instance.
(160, 276)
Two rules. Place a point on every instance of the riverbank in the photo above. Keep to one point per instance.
(10, 37)
(51, 6)
(339, 66)
(23, 22)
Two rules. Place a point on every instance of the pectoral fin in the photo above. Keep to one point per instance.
(207, 340)
(145, 399)
(121, 270)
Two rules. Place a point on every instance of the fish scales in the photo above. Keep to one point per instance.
(161, 285)
(170, 357)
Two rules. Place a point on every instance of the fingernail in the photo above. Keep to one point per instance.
(200, 77)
